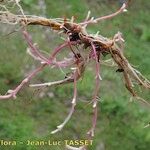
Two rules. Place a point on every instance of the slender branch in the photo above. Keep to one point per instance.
(61, 126)
(12, 93)
(98, 78)
(34, 50)
(93, 21)
(59, 82)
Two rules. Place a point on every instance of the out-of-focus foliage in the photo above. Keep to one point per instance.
(35, 113)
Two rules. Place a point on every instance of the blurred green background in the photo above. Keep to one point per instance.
(36, 112)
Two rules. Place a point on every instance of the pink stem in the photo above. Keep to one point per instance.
(27, 79)
(94, 119)
(61, 126)
(64, 63)
(33, 48)
(105, 17)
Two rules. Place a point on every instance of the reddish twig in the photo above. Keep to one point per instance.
(12, 93)
(61, 126)
(94, 21)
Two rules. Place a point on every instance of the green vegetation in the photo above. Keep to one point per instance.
(120, 123)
